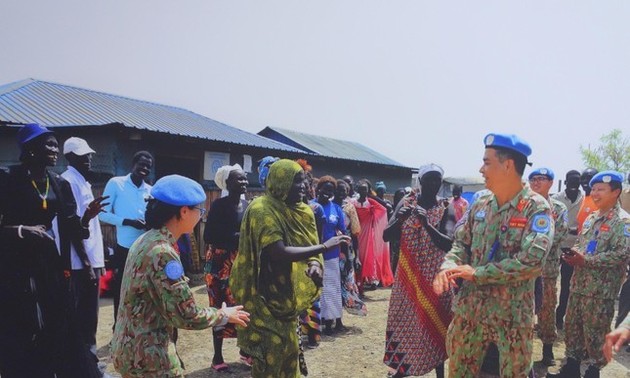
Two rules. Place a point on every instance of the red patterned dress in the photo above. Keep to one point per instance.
(417, 318)
(222, 235)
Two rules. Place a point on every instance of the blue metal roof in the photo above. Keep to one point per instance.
(329, 147)
(56, 105)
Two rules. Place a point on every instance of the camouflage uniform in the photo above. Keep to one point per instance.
(507, 247)
(605, 240)
(551, 269)
(152, 307)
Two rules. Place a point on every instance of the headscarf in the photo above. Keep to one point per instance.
(380, 184)
(220, 178)
(423, 170)
(280, 179)
(263, 168)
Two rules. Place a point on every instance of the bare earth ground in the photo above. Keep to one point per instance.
(358, 353)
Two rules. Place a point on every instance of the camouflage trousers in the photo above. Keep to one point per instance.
(586, 325)
(468, 339)
(547, 314)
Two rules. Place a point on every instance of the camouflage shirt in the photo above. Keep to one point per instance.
(507, 247)
(551, 267)
(155, 299)
(605, 240)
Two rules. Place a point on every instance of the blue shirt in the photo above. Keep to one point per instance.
(333, 222)
(126, 201)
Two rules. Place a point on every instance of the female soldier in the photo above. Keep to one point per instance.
(155, 296)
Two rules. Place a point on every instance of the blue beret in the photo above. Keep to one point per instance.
(607, 177)
(178, 190)
(29, 132)
(542, 172)
(509, 141)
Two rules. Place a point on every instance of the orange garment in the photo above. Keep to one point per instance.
(587, 207)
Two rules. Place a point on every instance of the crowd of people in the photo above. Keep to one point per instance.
(471, 283)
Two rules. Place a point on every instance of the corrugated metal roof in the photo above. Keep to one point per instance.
(55, 105)
(336, 148)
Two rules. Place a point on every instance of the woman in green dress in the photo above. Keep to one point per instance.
(278, 271)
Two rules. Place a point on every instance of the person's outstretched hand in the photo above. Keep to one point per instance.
(236, 315)
(615, 340)
(336, 240)
(94, 208)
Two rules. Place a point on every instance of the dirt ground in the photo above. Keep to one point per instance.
(358, 353)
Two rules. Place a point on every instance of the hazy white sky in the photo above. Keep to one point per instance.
(418, 81)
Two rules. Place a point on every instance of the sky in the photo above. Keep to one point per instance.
(418, 81)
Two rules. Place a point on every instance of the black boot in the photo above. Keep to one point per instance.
(570, 370)
(591, 372)
(547, 357)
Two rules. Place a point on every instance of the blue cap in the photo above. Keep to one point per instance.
(29, 132)
(380, 184)
(606, 177)
(542, 172)
(509, 141)
(178, 190)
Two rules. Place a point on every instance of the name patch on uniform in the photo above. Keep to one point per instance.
(173, 270)
(518, 222)
(604, 228)
(480, 214)
(626, 231)
(540, 223)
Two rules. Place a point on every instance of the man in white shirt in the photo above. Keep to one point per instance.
(87, 260)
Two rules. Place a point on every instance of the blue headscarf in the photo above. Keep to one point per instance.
(263, 168)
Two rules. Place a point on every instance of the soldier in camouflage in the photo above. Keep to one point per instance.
(498, 252)
(600, 258)
(155, 296)
(541, 180)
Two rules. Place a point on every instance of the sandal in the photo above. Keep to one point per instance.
(247, 360)
(220, 367)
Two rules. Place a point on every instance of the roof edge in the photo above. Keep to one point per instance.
(10, 87)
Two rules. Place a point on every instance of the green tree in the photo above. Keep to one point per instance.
(613, 152)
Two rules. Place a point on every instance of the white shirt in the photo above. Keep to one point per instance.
(82, 191)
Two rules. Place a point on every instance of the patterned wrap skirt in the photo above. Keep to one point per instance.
(217, 274)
